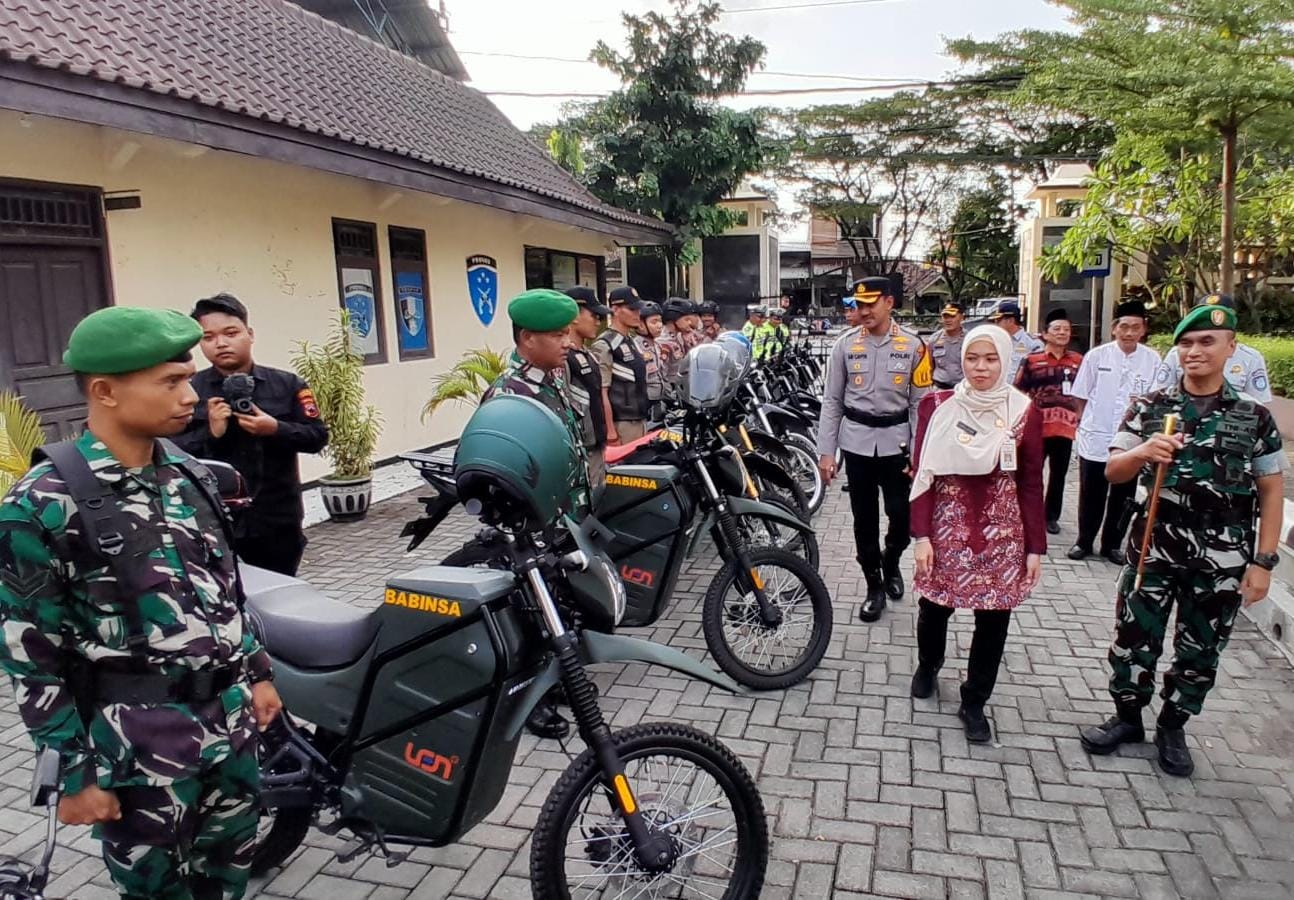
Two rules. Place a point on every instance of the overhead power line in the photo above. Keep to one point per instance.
(811, 5)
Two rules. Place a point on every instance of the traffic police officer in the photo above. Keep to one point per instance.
(1246, 370)
(584, 381)
(138, 666)
(754, 321)
(946, 347)
(262, 443)
(657, 354)
(624, 371)
(1008, 316)
(876, 377)
(1223, 460)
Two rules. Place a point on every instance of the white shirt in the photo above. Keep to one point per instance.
(1108, 379)
(1246, 371)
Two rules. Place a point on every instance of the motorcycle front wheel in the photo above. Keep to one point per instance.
(689, 787)
(759, 531)
(758, 656)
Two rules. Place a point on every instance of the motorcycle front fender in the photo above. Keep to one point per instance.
(770, 471)
(606, 648)
(744, 506)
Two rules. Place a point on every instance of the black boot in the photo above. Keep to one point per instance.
(932, 638)
(977, 727)
(924, 682)
(874, 605)
(1174, 757)
(1053, 527)
(894, 586)
(1124, 728)
(545, 721)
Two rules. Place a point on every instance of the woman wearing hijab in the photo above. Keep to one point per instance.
(977, 517)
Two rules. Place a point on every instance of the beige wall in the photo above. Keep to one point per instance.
(215, 221)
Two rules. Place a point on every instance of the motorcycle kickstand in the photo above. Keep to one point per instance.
(371, 843)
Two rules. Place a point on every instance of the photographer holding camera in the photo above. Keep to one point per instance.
(257, 419)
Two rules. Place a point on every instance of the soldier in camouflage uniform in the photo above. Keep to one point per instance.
(584, 381)
(541, 320)
(140, 668)
(1225, 455)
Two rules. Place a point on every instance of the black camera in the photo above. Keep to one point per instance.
(237, 390)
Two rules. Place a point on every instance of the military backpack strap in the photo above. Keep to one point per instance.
(206, 483)
(105, 529)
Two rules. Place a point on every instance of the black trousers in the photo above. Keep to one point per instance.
(1057, 451)
(1099, 500)
(870, 477)
(986, 649)
(280, 553)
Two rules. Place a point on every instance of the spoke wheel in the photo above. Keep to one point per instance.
(690, 788)
(759, 656)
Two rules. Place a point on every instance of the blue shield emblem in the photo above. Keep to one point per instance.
(483, 286)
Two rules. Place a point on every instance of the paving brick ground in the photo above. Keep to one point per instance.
(869, 793)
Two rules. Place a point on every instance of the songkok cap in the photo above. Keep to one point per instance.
(1006, 308)
(1130, 308)
(542, 309)
(626, 297)
(1206, 318)
(870, 289)
(220, 303)
(587, 297)
(120, 339)
(1057, 315)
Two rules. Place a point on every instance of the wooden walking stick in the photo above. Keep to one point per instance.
(1152, 508)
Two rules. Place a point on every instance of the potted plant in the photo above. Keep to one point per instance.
(467, 380)
(20, 434)
(335, 374)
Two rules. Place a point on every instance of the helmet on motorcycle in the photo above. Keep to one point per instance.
(516, 459)
(708, 376)
(738, 347)
(676, 307)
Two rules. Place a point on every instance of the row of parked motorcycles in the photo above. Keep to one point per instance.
(402, 720)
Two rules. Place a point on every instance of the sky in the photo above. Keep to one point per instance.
(890, 40)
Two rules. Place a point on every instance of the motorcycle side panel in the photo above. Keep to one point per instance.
(647, 509)
(325, 697)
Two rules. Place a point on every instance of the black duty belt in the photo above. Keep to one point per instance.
(874, 421)
(141, 688)
(1202, 520)
(944, 385)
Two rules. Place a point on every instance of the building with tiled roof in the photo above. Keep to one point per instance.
(157, 151)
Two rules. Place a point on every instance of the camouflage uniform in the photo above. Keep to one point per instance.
(548, 388)
(185, 774)
(1201, 544)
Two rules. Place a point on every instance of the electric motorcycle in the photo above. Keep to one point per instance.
(416, 707)
(20, 880)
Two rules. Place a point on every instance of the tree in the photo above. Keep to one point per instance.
(1191, 69)
(976, 248)
(662, 144)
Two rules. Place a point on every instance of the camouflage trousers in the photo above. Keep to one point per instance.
(1199, 573)
(190, 840)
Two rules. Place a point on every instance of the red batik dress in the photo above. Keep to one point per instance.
(981, 526)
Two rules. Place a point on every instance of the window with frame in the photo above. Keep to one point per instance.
(359, 286)
(412, 307)
(561, 270)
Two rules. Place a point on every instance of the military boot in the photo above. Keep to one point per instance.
(894, 586)
(1123, 728)
(874, 605)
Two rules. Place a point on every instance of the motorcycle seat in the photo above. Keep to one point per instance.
(302, 626)
(617, 453)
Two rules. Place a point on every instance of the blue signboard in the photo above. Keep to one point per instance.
(411, 313)
(483, 286)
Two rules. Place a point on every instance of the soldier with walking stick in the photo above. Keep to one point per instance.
(1203, 555)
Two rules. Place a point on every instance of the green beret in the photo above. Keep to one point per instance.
(542, 310)
(120, 339)
(1206, 318)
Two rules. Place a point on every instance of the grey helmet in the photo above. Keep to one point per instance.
(708, 376)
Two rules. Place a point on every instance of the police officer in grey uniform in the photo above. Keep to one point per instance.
(655, 357)
(584, 381)
(877, 374)
(946, 347)
(623, 369)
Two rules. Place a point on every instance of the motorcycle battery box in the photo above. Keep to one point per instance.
(432, 757)
(649, 510)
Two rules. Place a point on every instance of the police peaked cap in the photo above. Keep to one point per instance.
(871, 289)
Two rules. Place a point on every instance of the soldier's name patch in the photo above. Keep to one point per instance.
(631, 481)
(424, 602)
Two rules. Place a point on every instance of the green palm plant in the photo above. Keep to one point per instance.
(335, 373)
(467, 380)
(20, 434)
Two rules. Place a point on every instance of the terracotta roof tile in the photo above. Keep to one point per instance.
(272, 60)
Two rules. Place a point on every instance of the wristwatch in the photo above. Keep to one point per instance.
(1268, 561)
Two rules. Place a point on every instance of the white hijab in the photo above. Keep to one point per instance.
(966, 434)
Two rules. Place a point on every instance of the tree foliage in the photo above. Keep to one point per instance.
(976, 248)
(20, 435)
(467, 380)
(662, 144)
(335, 373)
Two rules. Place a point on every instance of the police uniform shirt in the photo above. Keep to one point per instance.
(268, 464)
(1022, 345)
(877, 375)
(584, 390)
(1108, 379)
(654, 357)
(946, 355)
(1246, 371)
